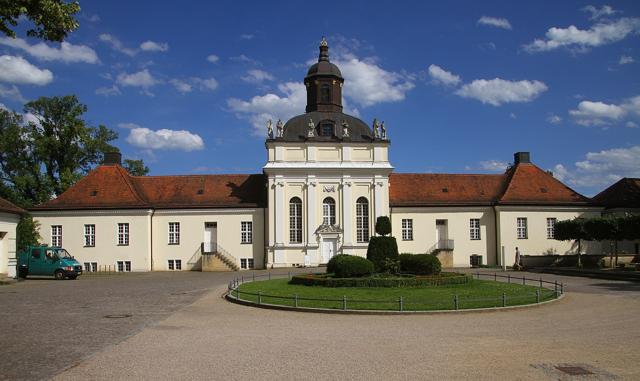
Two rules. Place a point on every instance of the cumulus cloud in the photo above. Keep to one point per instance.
(164, 139)
(141, 78)
(66, 52)
(624, 60)
(261, 108)
(495, 21)
(181, 85)
(213, 58)
(601, 169)
(18, 70)
(368, 84)
(152, 46)
(108, 91)
(442, 77)
(187, 85)
(205, 83)
(257, 76)
(589, 113)
(498, 91)
(493, 165)
(11, 92)
(116, 44)
(603, 33)
(596, 13)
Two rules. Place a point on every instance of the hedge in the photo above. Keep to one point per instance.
(349, 266)
(397, 281)
(420, 264)
(381, 248)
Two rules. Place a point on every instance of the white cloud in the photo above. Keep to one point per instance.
(245, 59)
(247, 36)
(599, 34)
(498, 91)
(624, 60)
(596, 13)
(108, 91)
(11, 92)
(142, 79)
(493, 165)
(257, 76)
(18, 70)
(440, 76)
(513, 115)
(495, 21)
(601, 169)
(152, 46)
(554, 119)
(117, 45)
(591, 113)
(367, 84)
(66, 53)
(631, 124)
(181, 85)
(205, 83)
(128, 126)
(272, 106)
(164, 139)
(213, 58)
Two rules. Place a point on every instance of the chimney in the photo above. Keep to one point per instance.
(112, 158)
(521, 158)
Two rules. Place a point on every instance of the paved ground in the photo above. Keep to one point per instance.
(200, 336)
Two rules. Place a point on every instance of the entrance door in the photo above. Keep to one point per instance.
(329, 247)
(210, 237)
(441, 233)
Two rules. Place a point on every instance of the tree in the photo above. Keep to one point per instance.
(383, 225)
(570, 230)
(27, 233)
(136, 167)
(52, 19)
(383, 251)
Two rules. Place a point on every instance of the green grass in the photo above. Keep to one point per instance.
(475, 294)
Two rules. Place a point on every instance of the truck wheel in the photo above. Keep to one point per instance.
(59, 275)
(22, 273)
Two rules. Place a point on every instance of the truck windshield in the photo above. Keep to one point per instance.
(62, 253)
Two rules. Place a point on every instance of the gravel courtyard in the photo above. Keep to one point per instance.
(181, 328)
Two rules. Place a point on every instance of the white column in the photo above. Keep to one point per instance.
(347, 212)
(311, 211)
(278, 251)
(378, 197)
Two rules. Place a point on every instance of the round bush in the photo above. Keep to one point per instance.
(420, 264)
(350, 266)
(383, 225)
(380, 249)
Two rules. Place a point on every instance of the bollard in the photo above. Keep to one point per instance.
(495, 277)
(555, 286)
(540, 282)
(400, 302)
(508, 278)
(537, 296)
(295, 300)
(561, 288)
(524, 281)
(504, 299)
(455, 301)
(344, 303)
(259, 297)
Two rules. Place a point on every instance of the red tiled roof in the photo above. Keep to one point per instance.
(111, 187)
(7, 207)
(528, 184)
(424, 189)
(623, 194)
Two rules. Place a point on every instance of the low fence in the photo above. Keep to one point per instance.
(104, 270)
(547, 290)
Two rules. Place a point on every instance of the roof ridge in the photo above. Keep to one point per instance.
(126, 177)
(200, 175)
(447, 174)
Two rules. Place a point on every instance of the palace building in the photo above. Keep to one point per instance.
(326, 179)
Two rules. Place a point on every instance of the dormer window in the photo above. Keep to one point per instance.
(326, 128)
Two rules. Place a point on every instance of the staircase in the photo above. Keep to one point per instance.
(216, 258)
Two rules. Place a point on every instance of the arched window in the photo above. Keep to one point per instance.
(325, 93)
(362, 220)
(295, 220)
(328, 211)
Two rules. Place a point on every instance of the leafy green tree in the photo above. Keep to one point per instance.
(570, 230)
(27, 232)
(383, 251)
(52, 19)
(383, 225)
(136, 167)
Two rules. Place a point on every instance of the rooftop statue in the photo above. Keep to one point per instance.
(384, 131)
(280, 128)
(376, 129)
(345, 129)
(312, 128)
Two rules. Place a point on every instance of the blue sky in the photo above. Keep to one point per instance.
(460, 85)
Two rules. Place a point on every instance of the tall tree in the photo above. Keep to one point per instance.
(136, 167)
(52, 19)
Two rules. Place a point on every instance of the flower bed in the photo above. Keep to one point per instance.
(328, 280)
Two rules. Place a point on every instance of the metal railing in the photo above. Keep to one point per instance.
(547, 290)
(443, 244)
(214, 248)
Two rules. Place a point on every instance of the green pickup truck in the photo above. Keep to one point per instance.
(44, 260)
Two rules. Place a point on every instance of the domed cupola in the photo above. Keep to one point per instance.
(324, 83)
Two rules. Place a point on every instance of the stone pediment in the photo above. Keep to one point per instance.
(328, 229)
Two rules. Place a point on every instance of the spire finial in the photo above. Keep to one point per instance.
(324, 50)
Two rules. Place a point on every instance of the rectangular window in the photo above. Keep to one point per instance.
(474, 228)
(407, 229)
(246, 232)
(551, 228)
(89, 235)
(362, 220)
(124, 266)
(87, 267)
(522, 228)
(123, 234)
(120, 266)
(174, 233)
(295, 222)
(175, 264)
(246, 263)
(56, 235)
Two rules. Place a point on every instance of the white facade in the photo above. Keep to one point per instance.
(8, 224)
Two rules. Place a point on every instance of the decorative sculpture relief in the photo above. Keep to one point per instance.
(329, 188)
